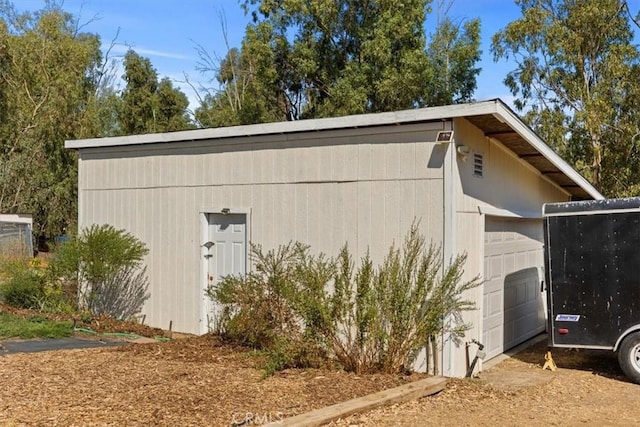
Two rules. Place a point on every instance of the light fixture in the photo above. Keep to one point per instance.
(463, 150)
(444, 136)
(208, 245)
(225, 211)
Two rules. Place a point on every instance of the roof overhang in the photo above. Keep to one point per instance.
(508, 129)
(493, 117)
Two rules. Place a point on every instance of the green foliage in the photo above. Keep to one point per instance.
(46, 90)
(369, 320)
(34, 327)
(55, 85)
(383, 317)
(26, 283)
(577, 77)
(148, 105)
(105, 264)
(257, 308)
(330, 58)
(453, 53)
(251, 91)
(24, 288)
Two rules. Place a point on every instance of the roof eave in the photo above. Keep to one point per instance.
(311, 125)
(506, 114)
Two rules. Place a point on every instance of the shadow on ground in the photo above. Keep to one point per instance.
(37, 345)
(599, 362)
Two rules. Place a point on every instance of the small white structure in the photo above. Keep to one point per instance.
(16, 235)
(474, 175)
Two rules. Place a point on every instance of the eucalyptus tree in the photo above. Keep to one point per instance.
(149, 105)
(251, 90)
(577, 79)
(453, 55)
(302, 59)
(47, 84)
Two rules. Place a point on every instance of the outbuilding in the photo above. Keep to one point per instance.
(474, 175)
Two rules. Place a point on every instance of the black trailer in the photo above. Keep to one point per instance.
(592, 273)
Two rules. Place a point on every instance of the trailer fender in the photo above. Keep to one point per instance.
(623, 335)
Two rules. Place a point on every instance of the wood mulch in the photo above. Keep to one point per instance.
(190, 381)
(204, 381)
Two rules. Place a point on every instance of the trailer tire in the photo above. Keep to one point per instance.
(629, 357)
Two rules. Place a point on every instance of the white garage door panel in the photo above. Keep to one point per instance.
(513, 309)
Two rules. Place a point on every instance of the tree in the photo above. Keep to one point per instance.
(453, 53)
(47, 84)
(303, 59)
(251, 92)
(148, 105)
(576, 78)
(138, 114)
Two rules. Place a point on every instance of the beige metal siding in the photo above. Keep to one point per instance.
(362, 186)
(508, 184)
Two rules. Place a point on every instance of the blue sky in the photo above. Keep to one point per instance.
(167, 31)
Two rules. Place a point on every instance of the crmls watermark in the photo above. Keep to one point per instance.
(255, 418)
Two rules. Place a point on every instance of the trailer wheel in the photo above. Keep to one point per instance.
(629, 357)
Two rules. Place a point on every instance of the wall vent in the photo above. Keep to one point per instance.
(478, 165)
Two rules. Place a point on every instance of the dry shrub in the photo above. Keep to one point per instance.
(303, 309)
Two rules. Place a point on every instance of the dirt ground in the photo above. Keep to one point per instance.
(588, 389)
(201, 381)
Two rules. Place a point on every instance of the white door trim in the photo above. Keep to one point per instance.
(204, 270)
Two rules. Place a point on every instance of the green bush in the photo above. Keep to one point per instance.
(303, 310)
(104, 264)
(257, 309)
(24, 289)
(381, 318)
(26, 283)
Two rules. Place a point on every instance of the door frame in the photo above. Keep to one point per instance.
(205, 303)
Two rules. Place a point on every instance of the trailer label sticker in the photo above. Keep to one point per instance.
(567, 317)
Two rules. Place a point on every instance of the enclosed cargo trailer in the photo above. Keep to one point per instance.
(592, 273)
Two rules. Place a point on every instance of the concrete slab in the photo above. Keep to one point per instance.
(508, 354)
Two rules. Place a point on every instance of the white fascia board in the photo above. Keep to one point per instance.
(355, 121)
(17, 218)
(534, 140)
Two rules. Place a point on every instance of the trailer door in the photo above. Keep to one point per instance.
(513, 306)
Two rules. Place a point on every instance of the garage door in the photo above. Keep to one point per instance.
(513, 309)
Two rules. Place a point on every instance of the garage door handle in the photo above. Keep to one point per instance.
(542, 286)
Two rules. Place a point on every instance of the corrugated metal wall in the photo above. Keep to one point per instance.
(362, 186)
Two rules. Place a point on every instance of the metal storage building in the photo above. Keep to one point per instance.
(473, 174)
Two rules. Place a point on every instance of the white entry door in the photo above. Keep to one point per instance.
(513, 307)
(228, 255)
